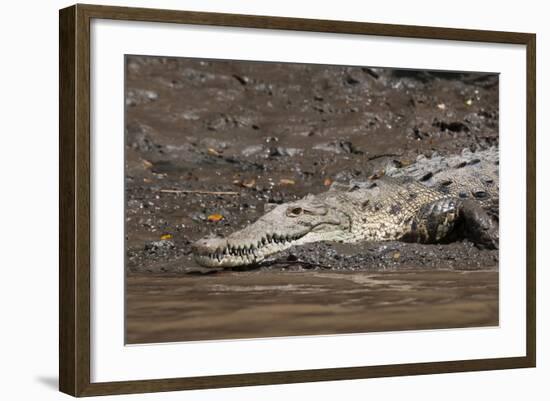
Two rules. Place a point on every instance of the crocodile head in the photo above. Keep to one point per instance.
(310, 219)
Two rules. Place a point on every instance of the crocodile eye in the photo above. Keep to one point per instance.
(295, 211)
(480, 194)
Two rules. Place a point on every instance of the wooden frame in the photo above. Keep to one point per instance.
(74, 295)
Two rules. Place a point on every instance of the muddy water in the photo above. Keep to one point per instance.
(232, 305)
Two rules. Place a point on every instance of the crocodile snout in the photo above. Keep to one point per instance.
(208, 245)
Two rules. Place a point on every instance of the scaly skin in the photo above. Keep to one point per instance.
(425, 202)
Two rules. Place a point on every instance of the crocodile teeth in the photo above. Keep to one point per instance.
(250, 252)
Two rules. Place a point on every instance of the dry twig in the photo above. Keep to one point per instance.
(190, 191)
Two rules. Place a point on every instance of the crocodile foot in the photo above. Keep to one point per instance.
(446, 219)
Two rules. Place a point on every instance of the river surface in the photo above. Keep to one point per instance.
(238, 305)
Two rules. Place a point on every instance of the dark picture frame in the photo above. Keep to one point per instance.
(74, 204)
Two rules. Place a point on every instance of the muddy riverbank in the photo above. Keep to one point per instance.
(235, 135)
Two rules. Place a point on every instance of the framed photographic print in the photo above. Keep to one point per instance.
(251, 200)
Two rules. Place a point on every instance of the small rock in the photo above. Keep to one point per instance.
(280, 151)
(136, 97)
(292, 258)
(252, 150)
(338, 147)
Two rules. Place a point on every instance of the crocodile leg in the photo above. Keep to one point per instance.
(479, 226)
(440, 221)
(433, 222)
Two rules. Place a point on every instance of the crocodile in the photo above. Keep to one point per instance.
(436, 199)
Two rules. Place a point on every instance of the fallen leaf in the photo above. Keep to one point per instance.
(286, 181)
(377, 175)
(396, 255)
(248, 183)
(215, 217)
(147, 163)
(214, 152)
(166, 236)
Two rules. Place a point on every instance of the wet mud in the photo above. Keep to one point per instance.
(208, 143)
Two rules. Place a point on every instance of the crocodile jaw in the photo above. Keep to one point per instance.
(239, 250)
(229, 252)
(300, 222)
